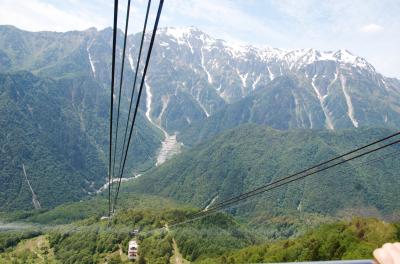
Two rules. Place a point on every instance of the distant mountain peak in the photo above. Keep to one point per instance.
(91, 29)
(294, 57)
(182, 32)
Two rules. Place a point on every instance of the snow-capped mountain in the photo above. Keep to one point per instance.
(197, 79)
(334, 89)
(197, 86)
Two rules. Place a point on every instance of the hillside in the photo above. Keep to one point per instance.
(39, 131)
(34, 250)
(216, 120)
(344, 240)
(57, 129)
(195, 78)
(55, 102)
(216, 239)
(249, 156)
(267, 132)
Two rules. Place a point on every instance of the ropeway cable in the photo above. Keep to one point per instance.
(318, 165)
(134, 83)
(139, 96)
(120, 84)
(112, 101)
(187, 221)
(282, 182)
(208, 212)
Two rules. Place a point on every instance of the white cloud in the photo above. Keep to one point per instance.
(36, 15)
(222, 17)
(371, 28)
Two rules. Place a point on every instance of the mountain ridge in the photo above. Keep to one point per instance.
(197, 87)
(209, 74)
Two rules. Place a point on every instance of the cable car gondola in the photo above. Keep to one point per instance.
(132, 250)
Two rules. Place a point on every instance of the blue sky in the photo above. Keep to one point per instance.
(368, 28)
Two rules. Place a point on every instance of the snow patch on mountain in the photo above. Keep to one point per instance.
(203, 108)
(303, 57)
(90, 58)
(165, 102)
(321, 99)
(164, 44)
(350, 108)
(297, 58)
(222, 93)
(334, 80)
(196, 96)
(178, 33)
(207, 68)
(257, 80)
(237, 50)
(271, 75)
(299, 116)
(149, 97)
(243, 77)
(310, 120)
(204, 67)
(190, 46)
(130, 58)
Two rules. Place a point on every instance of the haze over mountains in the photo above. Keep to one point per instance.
(197, 87)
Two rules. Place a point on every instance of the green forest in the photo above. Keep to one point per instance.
(74, 233)
(250, 156)
(211, 121)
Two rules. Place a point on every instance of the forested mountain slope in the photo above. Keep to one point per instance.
(57, 129)
(193, 76)
(197, 87)
(345, 240)
(247, 157)
(218, 238)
